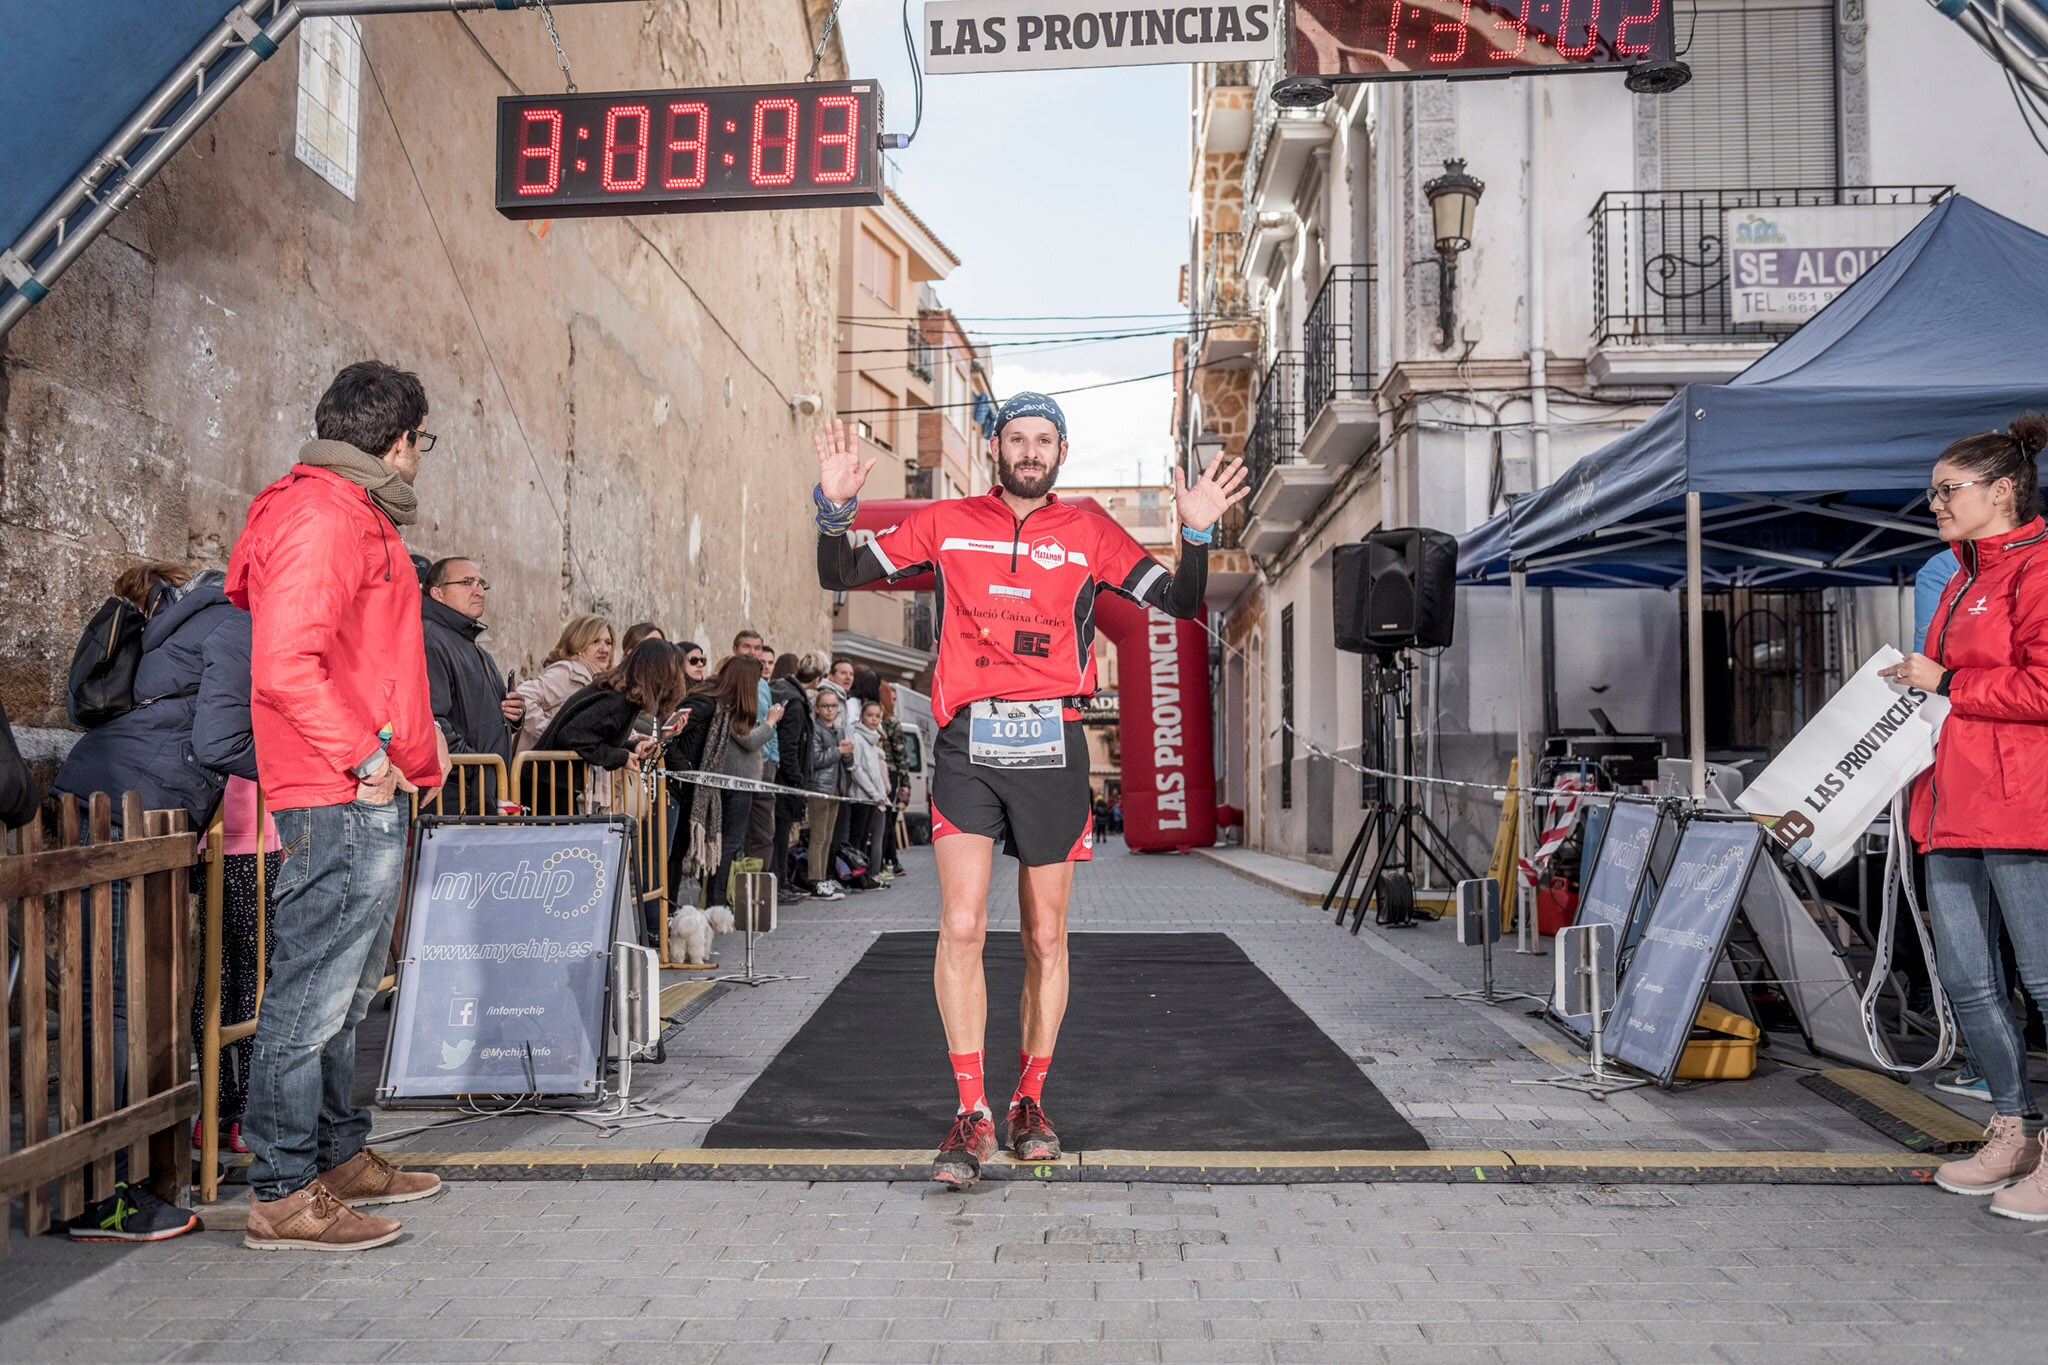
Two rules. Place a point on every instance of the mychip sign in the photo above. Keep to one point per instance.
(1786, 264)
(1045, 35)
(501, 986)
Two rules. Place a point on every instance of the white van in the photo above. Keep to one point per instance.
(914, 714)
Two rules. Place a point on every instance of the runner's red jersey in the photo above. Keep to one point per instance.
(1016, 597)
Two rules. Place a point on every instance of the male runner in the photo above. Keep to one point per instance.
(1017, 575)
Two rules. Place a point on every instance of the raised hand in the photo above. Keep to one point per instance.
(841, 471)
(1203, 502)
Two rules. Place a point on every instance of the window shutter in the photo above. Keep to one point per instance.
(1760, 110)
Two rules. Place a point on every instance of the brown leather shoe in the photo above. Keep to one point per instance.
(312, 1219)
(367, 1178)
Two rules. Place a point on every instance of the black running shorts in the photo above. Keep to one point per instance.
(1042, 815)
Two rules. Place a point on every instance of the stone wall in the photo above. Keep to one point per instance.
(614, 425)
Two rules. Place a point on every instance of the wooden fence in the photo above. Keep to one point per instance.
(59, 902)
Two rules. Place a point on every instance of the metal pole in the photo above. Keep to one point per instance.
(1525, 932)
(1695, 645)
(252, 41)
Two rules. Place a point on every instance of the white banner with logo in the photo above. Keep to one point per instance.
(1786, 264)
(1842, 770)
(1047, 35)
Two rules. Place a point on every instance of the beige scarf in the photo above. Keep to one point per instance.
(390, 492)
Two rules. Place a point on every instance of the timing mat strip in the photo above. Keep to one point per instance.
(1900, 1112)
(1519, 1166)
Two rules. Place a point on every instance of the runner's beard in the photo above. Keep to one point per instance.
(1019, 486)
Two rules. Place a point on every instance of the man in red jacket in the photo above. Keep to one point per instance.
(344, 723)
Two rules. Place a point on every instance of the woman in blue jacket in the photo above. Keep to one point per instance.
(186, 736)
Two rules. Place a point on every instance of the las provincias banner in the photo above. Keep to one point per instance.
(1045, 35)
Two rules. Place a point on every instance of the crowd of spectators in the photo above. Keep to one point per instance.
(303, 695)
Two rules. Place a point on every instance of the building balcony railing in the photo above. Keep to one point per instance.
(1338, 340)
(923, 355)
(1660, 261)
(1265, 114)
(1224, 293)
(1276, 422)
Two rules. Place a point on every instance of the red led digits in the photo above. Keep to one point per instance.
(1520, 26)
(1564, 26)
(1393, 29)
(1462, 28)
(548, 153)
(693, 147)
(848, 142)
(1621, 43)
(633, 153)
(783, 142)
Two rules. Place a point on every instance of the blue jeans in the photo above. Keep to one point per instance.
(1966, 915)
(336, 898)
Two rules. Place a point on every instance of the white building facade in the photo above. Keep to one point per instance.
(1596, 283)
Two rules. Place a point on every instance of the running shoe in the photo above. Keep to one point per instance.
(132, 1213)
(1968, 1082)
(969, 1142)
(1031, 1134)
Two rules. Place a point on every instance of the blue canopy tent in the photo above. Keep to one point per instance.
(1807, 469)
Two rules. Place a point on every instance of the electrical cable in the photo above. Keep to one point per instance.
(1053, 393)
(2026, 117)
(916, 76)
(1898, 875)
(504, 389)
(1035, 317)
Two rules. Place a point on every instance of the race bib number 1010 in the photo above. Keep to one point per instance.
(1017, 734)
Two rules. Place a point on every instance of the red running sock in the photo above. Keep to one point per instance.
(967, 1067)
(1031, 1077)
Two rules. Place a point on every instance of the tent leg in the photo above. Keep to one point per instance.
(1525, 917)
(1696, 644)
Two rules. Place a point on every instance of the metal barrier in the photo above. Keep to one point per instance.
(551, 782)
(644, 796)
(76, 878)
(479, 783)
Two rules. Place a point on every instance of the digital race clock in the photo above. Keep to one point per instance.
(1407, 39)
(690, 151)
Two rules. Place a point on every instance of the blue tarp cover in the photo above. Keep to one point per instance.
(1946, 335)
(71, 73)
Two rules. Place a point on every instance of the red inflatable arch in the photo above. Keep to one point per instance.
(1164, 718)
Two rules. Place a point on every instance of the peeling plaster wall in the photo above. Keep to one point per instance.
(173, 372)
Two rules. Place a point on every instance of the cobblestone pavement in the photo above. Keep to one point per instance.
(1450, 1066)
(684, 1271)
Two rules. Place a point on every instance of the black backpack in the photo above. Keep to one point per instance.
(103, 667)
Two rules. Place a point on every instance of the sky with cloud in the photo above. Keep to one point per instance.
(1065, 195)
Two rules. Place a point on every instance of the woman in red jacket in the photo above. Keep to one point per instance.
(1981, 813)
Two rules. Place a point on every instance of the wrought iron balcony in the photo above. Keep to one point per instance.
(1338, 337)
(1276, 421)
(1660, 263)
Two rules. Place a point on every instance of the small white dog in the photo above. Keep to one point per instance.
(690, 931)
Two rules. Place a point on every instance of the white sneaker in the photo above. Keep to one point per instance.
(829, 890)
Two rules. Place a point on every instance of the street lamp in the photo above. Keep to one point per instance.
(1453, 199)
(1208, 449)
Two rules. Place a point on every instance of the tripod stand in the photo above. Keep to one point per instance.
(1396, 829)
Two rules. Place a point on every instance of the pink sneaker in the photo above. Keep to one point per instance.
(2026, 1198)
(2007, 1154)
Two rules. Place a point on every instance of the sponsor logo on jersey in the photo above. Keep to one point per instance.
(1004, 590)
(1034, 644)
(1048, 554)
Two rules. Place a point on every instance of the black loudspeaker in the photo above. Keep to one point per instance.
(1396, 590)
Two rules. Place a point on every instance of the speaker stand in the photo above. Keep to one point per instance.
(1398, 829)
